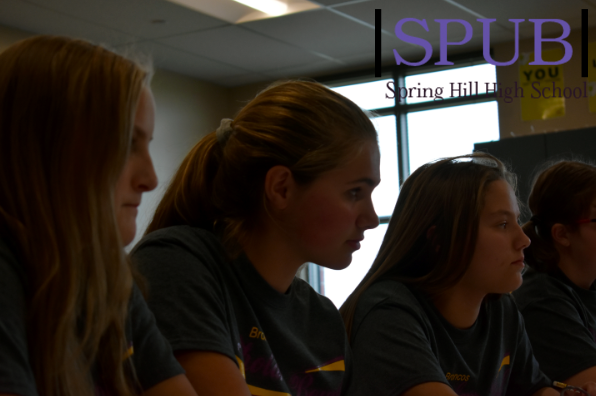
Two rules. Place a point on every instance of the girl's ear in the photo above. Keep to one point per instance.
(279, 184)
(560, 234)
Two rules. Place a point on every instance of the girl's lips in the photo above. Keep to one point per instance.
(519, 262)
(354, 244)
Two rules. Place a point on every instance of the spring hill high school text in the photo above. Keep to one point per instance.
(472, 88)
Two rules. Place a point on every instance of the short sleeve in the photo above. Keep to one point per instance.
(392, 350)
(562, 344)
(16, 375)
(526, 375)
(152, 355)
(186, 293)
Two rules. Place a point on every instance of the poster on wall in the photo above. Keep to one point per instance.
(543, 87)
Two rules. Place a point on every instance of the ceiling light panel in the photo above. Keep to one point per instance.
(239, 11)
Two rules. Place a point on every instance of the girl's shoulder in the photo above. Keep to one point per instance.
(390, 292)
(184, 236)
(181, 247)
(396, 299)
(309, 296)
(539, 288)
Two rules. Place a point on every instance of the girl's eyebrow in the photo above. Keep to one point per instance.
(366, 180)
(503, 212)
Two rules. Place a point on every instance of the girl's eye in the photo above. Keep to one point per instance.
(503, 225)
(353, 193)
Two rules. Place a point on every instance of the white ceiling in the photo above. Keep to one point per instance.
(337, 37)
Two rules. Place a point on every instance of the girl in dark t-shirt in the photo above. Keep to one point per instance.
(75, 125)
(433, 316)
(558, 297)
(288, 181)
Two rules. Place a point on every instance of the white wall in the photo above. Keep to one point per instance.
(186, 110)
(9, 36)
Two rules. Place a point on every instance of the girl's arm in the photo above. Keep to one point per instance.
(547, 392)
(177, 385)
(188, 295)
(582, 377)
(212, 373)
(561, 342)
(590, 387)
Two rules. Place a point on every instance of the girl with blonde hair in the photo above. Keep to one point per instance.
(288, 181)
(434, 316)
(558, 297)
(75, 125)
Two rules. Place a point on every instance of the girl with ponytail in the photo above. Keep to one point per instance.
(558, 297)
(75, 125)
(288, 181)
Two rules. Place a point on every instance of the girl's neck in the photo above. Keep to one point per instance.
(273, 258)
(582, 276)
(458, 307)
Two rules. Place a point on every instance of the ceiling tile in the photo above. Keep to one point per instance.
(242, 80)
(319, 30)
(393, 11)
(309, 70)
(503, 10)
(324, 41)
(134, 16)
(336, 2)
(37, 19)
(189, 64)
(239, 47)
(331, 2)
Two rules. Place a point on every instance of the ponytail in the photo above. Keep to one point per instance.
(188, 200)
(301, 125)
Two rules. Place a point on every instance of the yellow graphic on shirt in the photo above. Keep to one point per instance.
(505, 362)
(457, 377)
(335, 366)
(256, 333)
(129, 352)
(254, 391)
(241, 367)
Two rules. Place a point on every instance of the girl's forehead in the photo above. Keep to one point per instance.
(500, 197)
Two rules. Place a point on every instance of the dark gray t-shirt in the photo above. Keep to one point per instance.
(400, 340)
(561, 323)
(293, 343)
(152, 356)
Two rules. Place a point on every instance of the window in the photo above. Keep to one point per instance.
(413, 130)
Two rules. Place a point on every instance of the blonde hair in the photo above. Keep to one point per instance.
(448, 195)
(298, 124)
(66, 117)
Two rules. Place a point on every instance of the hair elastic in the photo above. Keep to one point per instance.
(224, 131)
